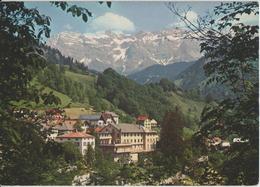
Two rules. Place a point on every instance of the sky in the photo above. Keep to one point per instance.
(125, 17)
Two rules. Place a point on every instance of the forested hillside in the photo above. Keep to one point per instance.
(111, 91)
(153, 99)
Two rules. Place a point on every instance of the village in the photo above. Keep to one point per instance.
(122, 141)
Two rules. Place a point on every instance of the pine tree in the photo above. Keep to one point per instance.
(90, 156)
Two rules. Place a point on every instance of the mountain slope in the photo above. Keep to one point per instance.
(191, 77)
(112, 91)
(137, 99)
(156, 72)
(127, 53)
(194, 77)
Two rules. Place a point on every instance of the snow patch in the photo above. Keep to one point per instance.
(68, 43)
(124, 68)
(162, 61)
(121, 55)
(140, 62)
(85, 60)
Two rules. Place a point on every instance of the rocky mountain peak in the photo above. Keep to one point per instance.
(126, 53)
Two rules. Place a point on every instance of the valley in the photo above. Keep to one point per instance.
(129, 93)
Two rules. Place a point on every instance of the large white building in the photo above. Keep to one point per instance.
(127, 140)
(80, 139)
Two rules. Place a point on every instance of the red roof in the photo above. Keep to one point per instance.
(142, 117)
(97, 129)
(76, 135)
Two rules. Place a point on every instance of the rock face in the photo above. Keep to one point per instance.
(126, 53)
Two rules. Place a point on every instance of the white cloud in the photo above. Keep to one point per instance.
(68, 27)
(191, 16)
(112, 22)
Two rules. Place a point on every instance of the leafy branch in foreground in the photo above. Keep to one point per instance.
(26, 158)
(231, 48)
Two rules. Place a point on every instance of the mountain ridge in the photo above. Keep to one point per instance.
(156, 72)
(126, 53)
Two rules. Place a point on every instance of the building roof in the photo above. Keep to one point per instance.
(153, 121)
(70, 122)
(97, 129)
(142, 117)
(91, 117)
(54, 111)
(126, 127)
(64, 127)
(105, 116)
(76, 135)
(111, 113)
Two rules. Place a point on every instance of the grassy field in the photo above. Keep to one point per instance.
(80, 78)
(75, 112)
(65, 100)
(188, 106)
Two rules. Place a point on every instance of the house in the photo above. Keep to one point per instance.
(54, 114)
(154, 123)
(64, 128)
(80, 139)
(127, 140)
(95, 130)
(114, 116)
(217, 143)
(146, 122)
(99, 120)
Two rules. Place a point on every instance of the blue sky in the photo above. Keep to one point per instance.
(126, 17)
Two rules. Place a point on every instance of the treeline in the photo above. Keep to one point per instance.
(80, 91)
(54, 77)
(54, 56)
(112, 91)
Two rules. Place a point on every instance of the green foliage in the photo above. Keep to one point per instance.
(78, 126)
(54, 77)
(231, 48)
(204, 174)
(20, 38)
(54, 56)
(171, 141)
(26, 158)
(74, 10)
(106, 171)
(71, 152)
(167, 85)
(136, 99)
(90, 156)
(24, 146)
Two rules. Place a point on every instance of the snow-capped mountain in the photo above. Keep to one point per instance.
(126, 53)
